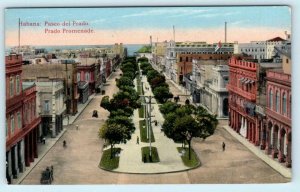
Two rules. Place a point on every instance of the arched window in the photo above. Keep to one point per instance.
(284, 106)
(277, 101)
(271, 99)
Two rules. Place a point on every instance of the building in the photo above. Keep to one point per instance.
(86, 71)
(184, 62)
(242, 88)
(259, 49)
(208, 85)
(22, 121)
(159, 52)
(50, 105)
(66, 71)
(278, 139)
(173, 49)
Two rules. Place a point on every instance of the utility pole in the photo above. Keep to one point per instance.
(225, 32)
(150, 127)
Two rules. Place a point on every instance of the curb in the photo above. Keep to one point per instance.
(260, 154)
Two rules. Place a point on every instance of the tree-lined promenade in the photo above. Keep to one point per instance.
(78, 163)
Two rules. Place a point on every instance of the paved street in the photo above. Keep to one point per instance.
(78, 163)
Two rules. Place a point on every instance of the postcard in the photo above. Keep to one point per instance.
(148, 95)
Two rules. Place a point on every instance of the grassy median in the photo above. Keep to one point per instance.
(146, 152)
(108, 163)
(143, 133)
(185, 157)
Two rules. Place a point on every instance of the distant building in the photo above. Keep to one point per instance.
(173, 49)
(259, 49)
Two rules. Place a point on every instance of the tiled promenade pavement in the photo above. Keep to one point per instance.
(131, 158)
(78, 163)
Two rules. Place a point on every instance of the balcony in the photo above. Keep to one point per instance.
(13, 100)
(247, 95)
(281, 118)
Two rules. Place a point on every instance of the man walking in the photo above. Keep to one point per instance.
(223, 146)
(137, 140)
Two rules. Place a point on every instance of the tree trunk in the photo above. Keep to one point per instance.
(111, 151)
(189, 141)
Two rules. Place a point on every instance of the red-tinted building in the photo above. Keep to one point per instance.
(185, 65)
(108, 67)
(86, 72)
(242, 88)
(21, 120)
(278, 113)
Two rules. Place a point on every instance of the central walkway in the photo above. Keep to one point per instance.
(131, 157)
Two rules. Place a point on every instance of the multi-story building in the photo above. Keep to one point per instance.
(173, 49)
(159, 52)
(86, 71)
(242, 88)
(66, 71)
(259, 49)
(278, 133)
(208, 85)
(184, 62)
(22, 121)
(50, 105)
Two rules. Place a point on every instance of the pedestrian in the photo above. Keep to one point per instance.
(223, 146)
(44, 140)
(77, 127)
(137, 140)
(64, 143)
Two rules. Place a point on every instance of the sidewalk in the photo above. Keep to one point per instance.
(286, 172)
(131, 157)
(50, 142)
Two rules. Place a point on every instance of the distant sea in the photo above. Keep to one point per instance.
(131, 48)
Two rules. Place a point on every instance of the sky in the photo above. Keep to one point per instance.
(135, 25)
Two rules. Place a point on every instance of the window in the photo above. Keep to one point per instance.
(277, 102)
(284, 106)
(87, 76)
(287, 60)
(46, 106)
(18, 84)
(12, 124)
(78, 76)
(19, 120)
(180, 59)
(11, 86)
(271, 99)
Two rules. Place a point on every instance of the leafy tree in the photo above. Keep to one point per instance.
(124, 120)
(187, 127)
(114, 134)
(151, 75)
(162, 94)
(158, 81)
(121, 112)
(105, 103)
(123, 81)
(168, 107)
(143, 59)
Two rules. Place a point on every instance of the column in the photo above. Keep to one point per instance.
(281, 147)
(289, 151)
(22, 154)
(15, 161)
(31, 156)
(27, 160)
(35, 137)
(9, 167)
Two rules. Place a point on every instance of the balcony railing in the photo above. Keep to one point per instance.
(241, 92)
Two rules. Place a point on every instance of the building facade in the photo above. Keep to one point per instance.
(242, 88)
(210, 78)
(173, 49)
(22, 120)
